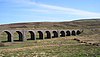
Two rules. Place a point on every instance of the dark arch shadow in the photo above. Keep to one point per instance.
(55, 34)
(68, 33)
(8, 36)
(62, 34)
(48, 35)
(78, 32)
(20, 36)
(73, 33)
(32, 35)
(40, 35)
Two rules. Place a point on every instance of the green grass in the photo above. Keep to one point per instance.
(50, 48)
(65, 40)
(56, 51)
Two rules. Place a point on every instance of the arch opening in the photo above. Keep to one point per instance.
(68, 33)
(62, 34)
(30, 35)
(73, 33)
(39, 35)
(47, 35)
(55, 34)
(5, 36)
(78, 32)
(18, 36)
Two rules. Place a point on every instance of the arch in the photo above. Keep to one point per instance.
(20, 36)
(62, 34)
(48, 34)
(8, 37)
(40, 35)
(55, 34)
(78, 32)
(32, 35)
(68, 33)
(73, 33)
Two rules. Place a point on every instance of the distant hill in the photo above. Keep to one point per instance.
(90, 20)
(76, 24)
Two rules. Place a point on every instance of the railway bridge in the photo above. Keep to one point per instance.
(42, 34)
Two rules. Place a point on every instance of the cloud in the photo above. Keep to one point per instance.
(57, 9)
(69, 10)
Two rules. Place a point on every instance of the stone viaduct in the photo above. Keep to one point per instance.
(42, 34)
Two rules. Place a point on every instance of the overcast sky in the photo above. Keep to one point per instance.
(14, 11)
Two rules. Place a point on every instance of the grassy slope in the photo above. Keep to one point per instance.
(94, 23)
(57, 47)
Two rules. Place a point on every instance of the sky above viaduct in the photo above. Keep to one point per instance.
(14, 11)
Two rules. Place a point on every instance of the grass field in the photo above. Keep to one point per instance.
(56, 47)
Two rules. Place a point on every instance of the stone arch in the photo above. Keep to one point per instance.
(48, 34)
(41, 36)
(55, 34)
(78, 32)
(32, 35)
(73, 33)
(68, 33)
(62, 34)
(8, 37)
(20, 36)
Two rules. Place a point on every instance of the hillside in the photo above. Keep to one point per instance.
(77, 24)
